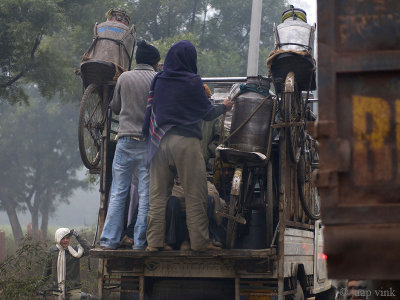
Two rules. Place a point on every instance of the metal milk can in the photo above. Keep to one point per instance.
(113, 42)
(294, 33)
(254, 135)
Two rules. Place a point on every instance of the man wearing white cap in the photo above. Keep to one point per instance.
(63, 267)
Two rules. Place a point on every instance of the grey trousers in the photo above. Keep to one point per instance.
(178, 155)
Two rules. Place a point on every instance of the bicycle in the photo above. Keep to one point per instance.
(251, 170)
(255, 109)
(109, 55)
(292, 68)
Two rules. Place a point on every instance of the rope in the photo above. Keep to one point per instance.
(85, 55)
(269, 145)
(117, 72)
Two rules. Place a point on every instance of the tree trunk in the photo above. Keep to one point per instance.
(193, 14)
(203, 28)
(35, 222)
(34, 210)
(45, 222)
(14, 222)
(169, 22)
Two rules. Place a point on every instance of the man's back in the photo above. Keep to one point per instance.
(130, 99)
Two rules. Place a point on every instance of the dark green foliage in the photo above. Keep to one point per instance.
(220, 29)
(21, 273)
(24, 24)
(42, 41)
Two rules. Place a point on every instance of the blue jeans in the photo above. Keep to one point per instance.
(130, 155)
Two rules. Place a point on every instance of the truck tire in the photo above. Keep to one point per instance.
(298, 295)
(327, 295)
(299, 292)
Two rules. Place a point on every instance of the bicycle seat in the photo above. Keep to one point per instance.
(237, 157)
(302, 65)
(99, 71)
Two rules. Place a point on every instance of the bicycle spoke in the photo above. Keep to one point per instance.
(91, 126)
(308, 192)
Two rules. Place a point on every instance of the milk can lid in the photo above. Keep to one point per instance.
(295, 13)
(115, 14)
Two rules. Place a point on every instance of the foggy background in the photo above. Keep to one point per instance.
(81, 211)
(83, 205)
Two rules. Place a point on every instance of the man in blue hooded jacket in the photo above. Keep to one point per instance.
(177, 103)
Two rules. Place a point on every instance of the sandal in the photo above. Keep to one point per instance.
(127, 241)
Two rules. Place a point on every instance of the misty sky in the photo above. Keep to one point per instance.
(309, 6)
(82, 210)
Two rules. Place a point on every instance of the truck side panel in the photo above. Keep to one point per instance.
(359, 135)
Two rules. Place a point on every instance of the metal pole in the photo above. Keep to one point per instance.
(254, 43)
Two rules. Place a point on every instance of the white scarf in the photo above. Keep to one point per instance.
(61, 266)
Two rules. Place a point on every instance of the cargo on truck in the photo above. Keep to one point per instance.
(273, 244)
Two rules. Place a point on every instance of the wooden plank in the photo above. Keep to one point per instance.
(232, 253)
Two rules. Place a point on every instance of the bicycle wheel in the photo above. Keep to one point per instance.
(90, 126)
(293, 112)
(234, 201)
(308, 192)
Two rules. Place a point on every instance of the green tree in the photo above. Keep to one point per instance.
(228, 31)
(39, 151)
(42, 42)
(24, 24)
(219, 29)
(159, 19)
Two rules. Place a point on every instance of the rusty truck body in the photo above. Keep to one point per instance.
(359, 135)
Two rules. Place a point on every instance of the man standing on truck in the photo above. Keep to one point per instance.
(129, 102)
(177, 104)
(210, 131)
(176, 235)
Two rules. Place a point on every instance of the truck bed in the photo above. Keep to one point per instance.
(232, 253)
(182, 274)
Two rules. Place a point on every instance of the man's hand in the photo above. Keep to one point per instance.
(74, 233)
(228, 104)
